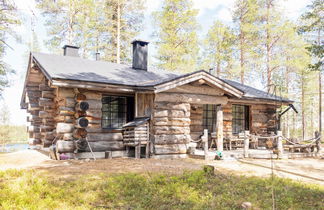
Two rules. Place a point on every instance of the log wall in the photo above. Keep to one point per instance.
(262, 118)
(171, 125)
(196, 118)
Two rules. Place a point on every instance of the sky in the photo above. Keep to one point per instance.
(17, 58)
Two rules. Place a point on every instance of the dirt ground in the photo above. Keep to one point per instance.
(308, 170)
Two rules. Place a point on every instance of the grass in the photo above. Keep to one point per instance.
(20, 189)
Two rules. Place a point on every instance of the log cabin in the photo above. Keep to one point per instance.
(78, 106)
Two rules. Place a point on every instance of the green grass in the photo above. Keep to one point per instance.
(191, 190)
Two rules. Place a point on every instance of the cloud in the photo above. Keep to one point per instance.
(293, 9)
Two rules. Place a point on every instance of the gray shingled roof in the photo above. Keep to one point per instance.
(250, 92)
(75, 68)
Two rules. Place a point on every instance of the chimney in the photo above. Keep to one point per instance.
(97, 56)
(71, 50)
(140, 55)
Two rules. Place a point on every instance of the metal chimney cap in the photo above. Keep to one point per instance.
(70, 46)
(139, 41)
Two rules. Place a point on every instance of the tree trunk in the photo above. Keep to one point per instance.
(268, 49)
(319, 92)
(303, 105)
(118, 32)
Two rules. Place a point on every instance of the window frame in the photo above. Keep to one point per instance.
(209, 108)
(113, 115)
(244, 118)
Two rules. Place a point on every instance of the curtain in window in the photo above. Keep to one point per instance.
(240, 118)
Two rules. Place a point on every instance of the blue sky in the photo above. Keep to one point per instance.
(209, 11)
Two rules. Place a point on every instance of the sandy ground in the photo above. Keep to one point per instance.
(308, 170)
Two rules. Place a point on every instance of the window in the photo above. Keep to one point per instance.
(116, 111)
(209, 117)
(241, 118)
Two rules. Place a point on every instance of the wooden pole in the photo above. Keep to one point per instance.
(279, 144)
(205, 140)
(246, 144)
(318, 142)
(219, 128)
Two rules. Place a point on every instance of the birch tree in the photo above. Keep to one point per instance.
(176, 33)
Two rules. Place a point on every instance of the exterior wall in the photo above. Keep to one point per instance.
(262, 118)
(196, 121)
(171, 127)
(144, 104)
(100, 139)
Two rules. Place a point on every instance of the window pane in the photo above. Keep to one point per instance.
(114, 111)
(209, 117)
(240, 121)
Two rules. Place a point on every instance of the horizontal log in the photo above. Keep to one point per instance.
(32, 118)
(165, 121)
(37, 135)
(46, 128)
(171, 113)
(33, 141)
(98, 155)
(98, 146)
(172, 106)
(45, 114)
(44, 87)
(32, 128)
(171, 130)
(49, 135)
(80, 97)
(190, 98)
(64, 127)
(105, 137)
(48, 94)
(170, 149)
(47, 143)
(171, 139)
(94, 104)
(198, 89)
(66, 113)
(94, 113)
(33, 107)
(93, 95)
(66, 93)
(33, 93)
(80, 133)
(46, 102)
(70, 102)
(67, 136)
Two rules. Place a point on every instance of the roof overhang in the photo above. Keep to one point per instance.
(196, 76)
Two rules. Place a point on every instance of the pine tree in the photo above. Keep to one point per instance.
(245, 17)
(8, 19)
(124, 22)
(273, 27)
(313, 25)
(177, 41)
(106, 26)
(218, 49)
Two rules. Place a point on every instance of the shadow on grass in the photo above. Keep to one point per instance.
(190, 190)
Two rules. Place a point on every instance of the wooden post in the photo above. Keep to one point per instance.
(279, 144)
(219, 128)
(246, 144)
(205, 140)
(318, 142)
(138, 150)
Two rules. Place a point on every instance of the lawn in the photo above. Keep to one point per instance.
(28, 189)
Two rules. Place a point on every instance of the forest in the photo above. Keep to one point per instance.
(260, 45)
